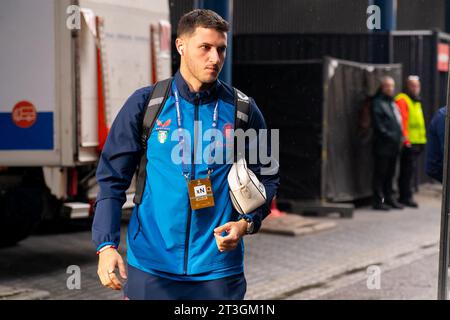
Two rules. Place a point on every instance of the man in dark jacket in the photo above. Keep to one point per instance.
(387, 141)
(435, 145)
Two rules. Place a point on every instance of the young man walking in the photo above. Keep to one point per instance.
(176, 249)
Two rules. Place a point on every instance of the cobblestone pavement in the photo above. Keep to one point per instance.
(276, 266)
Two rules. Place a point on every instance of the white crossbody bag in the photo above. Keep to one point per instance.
(247, 193)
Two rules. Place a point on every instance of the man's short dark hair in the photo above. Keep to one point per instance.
(201, 18)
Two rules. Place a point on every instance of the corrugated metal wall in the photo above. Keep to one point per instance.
(356, 47)
(264, 16)
(319, 16)
(421, 14)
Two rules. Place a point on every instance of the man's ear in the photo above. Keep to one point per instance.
(180, 46)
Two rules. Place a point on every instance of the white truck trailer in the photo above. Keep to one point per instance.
(66, 68)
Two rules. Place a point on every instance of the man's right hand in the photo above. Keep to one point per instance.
(108, 260)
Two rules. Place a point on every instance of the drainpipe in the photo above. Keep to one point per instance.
(388, 23)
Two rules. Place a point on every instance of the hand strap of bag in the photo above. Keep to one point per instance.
(242, 103)
(242, 111)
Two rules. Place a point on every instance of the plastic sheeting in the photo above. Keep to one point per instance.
(315, 104)
(348, 151)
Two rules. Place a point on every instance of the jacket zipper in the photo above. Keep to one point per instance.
(139, 222)
(188, 225)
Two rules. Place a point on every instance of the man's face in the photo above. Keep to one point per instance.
(414, 87)
(204, 53)
(388, 87)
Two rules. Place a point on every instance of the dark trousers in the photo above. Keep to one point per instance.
(145, 286)
(383, 176)
(408, 169)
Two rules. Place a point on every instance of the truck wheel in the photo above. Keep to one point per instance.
(20, 213)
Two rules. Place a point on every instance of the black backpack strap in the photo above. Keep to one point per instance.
(242, 112)
(242, 117)
(154, 107)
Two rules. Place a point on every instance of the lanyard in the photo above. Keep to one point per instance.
(181, 139)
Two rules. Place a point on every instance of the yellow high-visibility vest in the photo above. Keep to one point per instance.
(415, 121)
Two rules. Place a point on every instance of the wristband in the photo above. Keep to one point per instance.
(105, 247)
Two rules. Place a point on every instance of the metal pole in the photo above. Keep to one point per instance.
(388, 11)
(445, 210)
(388, 19)
(447, 17)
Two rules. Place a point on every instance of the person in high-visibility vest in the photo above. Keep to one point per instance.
(415, 138)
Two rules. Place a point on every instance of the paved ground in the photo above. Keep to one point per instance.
(314, 264)
(411, 281)
(330, 264)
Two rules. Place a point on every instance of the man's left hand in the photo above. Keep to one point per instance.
(235, 231)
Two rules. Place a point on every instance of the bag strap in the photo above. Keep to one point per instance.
(154, 106)
(242, 103)
(241, 117)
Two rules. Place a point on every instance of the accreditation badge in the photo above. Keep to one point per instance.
(200, 194)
